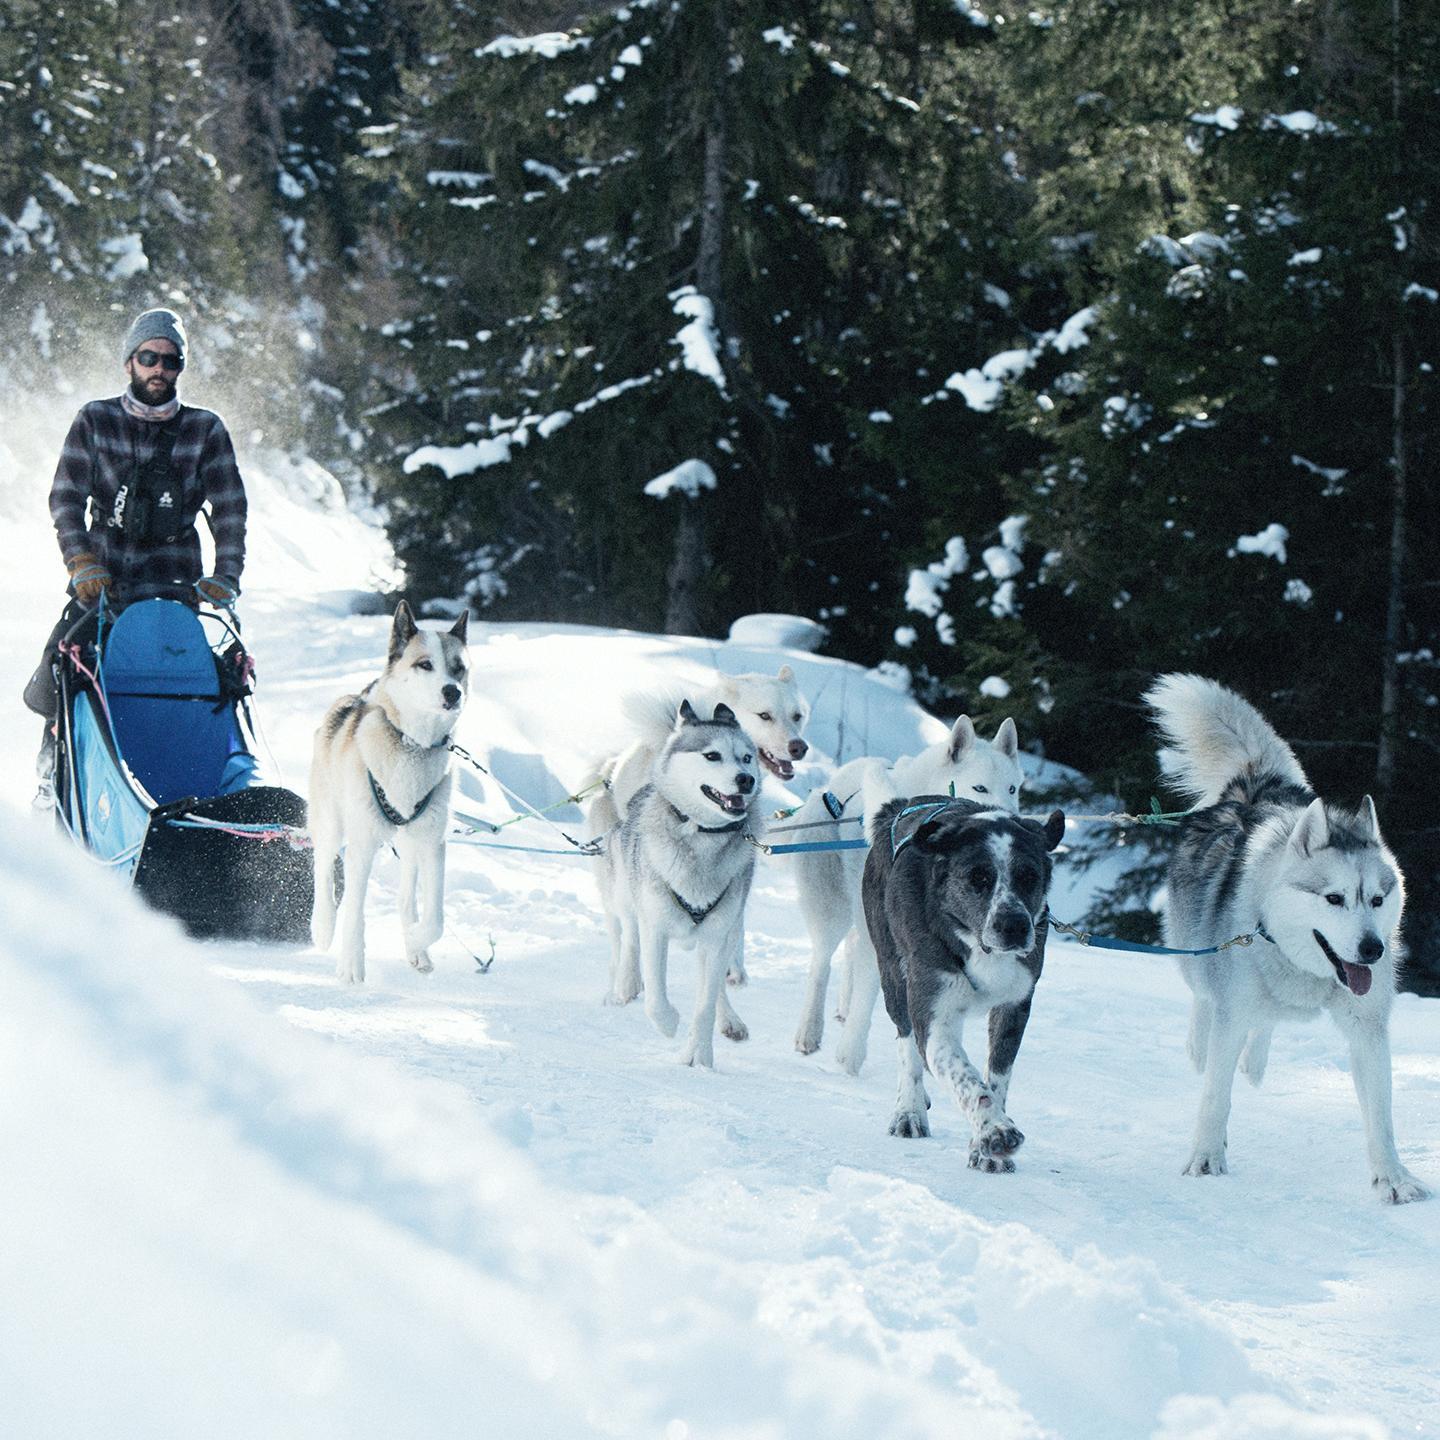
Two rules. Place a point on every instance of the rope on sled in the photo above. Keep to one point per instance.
(1101, 942)
(295, 837)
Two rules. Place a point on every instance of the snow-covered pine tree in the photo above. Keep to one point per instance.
(692, 248)
(1234, 464)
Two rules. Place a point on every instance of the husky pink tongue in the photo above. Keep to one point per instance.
(1357, 977)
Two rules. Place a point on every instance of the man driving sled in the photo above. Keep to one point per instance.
(134, 474)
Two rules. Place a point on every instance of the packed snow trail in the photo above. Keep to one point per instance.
(245, 1200)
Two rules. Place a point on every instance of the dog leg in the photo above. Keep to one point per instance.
(737, 974)
(359, 857)
(993, 1135)
(1227, 1040)
(732, 1027)
(654, 947)
(864, 973)
(1370, 1068)
(1255, 1055)
(1197, 1043)
(322, 913)
(910, 1120)
(827, 929)
(422, 920)
(1007, 1029)
(624, 961)
(714, 965)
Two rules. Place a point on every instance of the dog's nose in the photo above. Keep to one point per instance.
(798, 749)
(1014, 930)
(451, 696)
(1370, 949)
(744, 783)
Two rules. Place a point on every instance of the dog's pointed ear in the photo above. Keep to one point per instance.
(786, 675)
(724, 715)
(1369, 821)
(1054, 828)
(962, 737)
(403, 629)
(1312, 831)
(461, 628)
(1007, 739)
(686, 714)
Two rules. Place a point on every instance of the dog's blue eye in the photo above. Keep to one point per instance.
(981, 790)
(763, 715)
(1334, 899)
(1012, 789)
(423, 665)
(746, 759)
(712, 755)
(1378, 901)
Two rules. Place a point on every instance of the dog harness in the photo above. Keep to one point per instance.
(390, 813)
(697, 913)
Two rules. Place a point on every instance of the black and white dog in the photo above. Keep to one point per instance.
(954, 896)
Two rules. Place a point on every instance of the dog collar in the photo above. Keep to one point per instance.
(684, 819)
(391, 815)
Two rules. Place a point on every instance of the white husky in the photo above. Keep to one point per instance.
(381, 775)
(677, 869)
(829, 882)
(1262, 855)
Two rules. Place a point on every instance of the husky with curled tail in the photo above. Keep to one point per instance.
(828, 882)
(676, 869)
(1314, 882)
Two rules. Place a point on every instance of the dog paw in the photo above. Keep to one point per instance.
(1399, 1187)
(850, 1057)
(990, 1164)
(1207, 1162)
(993, 1145)
(699, 1054)
(807, 1039)
(665, 1018)
(735, 1029)
(736, 976)
(421, 962)
(348, 974)
(910, 1124)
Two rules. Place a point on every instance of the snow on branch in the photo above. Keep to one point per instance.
(698, 341)
(689, 477)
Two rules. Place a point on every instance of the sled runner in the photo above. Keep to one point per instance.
(156, 776)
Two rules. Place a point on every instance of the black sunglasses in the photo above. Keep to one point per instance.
(149, 358)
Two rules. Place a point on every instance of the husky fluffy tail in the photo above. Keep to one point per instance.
(652, 713)
(1211, 736)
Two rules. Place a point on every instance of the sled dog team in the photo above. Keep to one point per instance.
(945, 912)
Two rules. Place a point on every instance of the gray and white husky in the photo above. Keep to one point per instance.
(676, 869)
(771, 711)
(381, 775)
(828, 881)
(1315, 882)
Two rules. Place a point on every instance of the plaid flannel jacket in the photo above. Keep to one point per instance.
(101, 453)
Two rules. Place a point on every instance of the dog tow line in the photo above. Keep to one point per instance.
(1101, 942)
(582, 847)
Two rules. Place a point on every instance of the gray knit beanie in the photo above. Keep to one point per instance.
(154, 325)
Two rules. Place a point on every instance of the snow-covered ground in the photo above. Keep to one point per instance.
(241, 1200)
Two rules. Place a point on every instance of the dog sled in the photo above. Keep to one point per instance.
(156, 773)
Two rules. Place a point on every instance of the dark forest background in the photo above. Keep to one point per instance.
(1054, 345)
